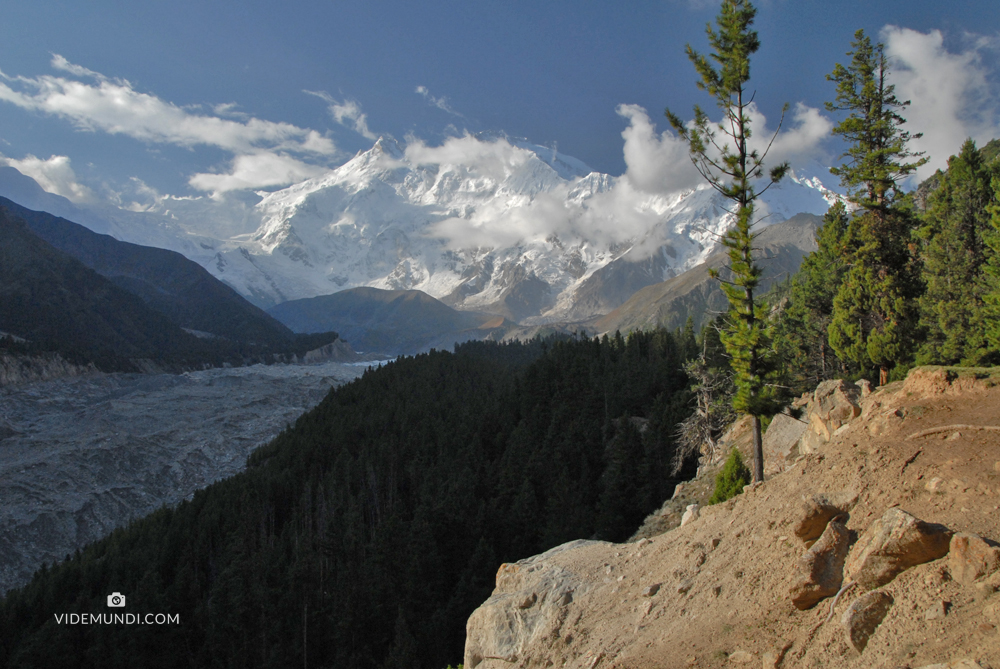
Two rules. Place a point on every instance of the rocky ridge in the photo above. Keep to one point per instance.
(870, 544)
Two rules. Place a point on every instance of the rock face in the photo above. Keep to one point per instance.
(821, 569)
(893, 543)
(864, 615)
(529, 603)
(970, 557)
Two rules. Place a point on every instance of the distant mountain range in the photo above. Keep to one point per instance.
(502, 227)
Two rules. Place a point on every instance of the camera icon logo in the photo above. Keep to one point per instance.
(116, 600)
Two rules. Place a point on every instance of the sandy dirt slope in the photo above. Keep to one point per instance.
(722, 581)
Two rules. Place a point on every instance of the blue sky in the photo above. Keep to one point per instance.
(124, 100)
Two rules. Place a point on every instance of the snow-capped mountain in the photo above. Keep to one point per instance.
(482, 223)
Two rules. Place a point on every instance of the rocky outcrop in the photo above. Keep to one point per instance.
(530, 602)
(893, 543)
(716, 592)
(834, 404)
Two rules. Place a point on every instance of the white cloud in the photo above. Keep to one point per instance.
(347, 113)
(115, 107)
(660, 163)
(256, 170)
(54, 174)
(803, 134)
(441, 102)
(655, 163)
(951, 98)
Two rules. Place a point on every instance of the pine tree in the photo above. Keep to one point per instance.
(874, 315)
(730, 170)
(991, 270)
(802, 328)
(954, 230)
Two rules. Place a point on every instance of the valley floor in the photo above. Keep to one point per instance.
(80, 456)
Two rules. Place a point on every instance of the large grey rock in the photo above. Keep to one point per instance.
(863, 617)
(893, 543)
(821, 569)
(781, 440)
(502, 628)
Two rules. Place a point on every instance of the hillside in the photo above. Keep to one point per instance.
(57, 303)
(717, 591)
(373, 524)
(168, 282)
(668, 304)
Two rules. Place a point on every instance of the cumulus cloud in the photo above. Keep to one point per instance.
(655, 163)
(803, 134)
(951, 97)
(54, 174)
(660, 162)
(347, 113)
(441, 102)
(256, 170)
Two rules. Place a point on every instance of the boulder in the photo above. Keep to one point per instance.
(835, 403)
(781, 440)
(863, 617)
(970, 557)
(529, 602)
(821, 569)
(690, 513)
(893, 543)
(818, 510)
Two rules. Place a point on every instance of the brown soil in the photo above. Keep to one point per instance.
(725, 576)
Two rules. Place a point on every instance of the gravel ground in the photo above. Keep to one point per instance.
(81, 456)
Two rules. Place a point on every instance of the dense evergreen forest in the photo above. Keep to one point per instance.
(366, 533)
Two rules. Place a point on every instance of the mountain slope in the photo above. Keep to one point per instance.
(694, 293)
(391, 322)
(168, 282)
(53, 300)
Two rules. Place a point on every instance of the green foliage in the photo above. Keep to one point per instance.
(801, 332)
(874, 313)
(991, 270)
(731, 478)
(730, 170)
(877, 153)
(954, 231)
(366, 533)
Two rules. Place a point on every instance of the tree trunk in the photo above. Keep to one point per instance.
(883, 375)
(758, 452)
